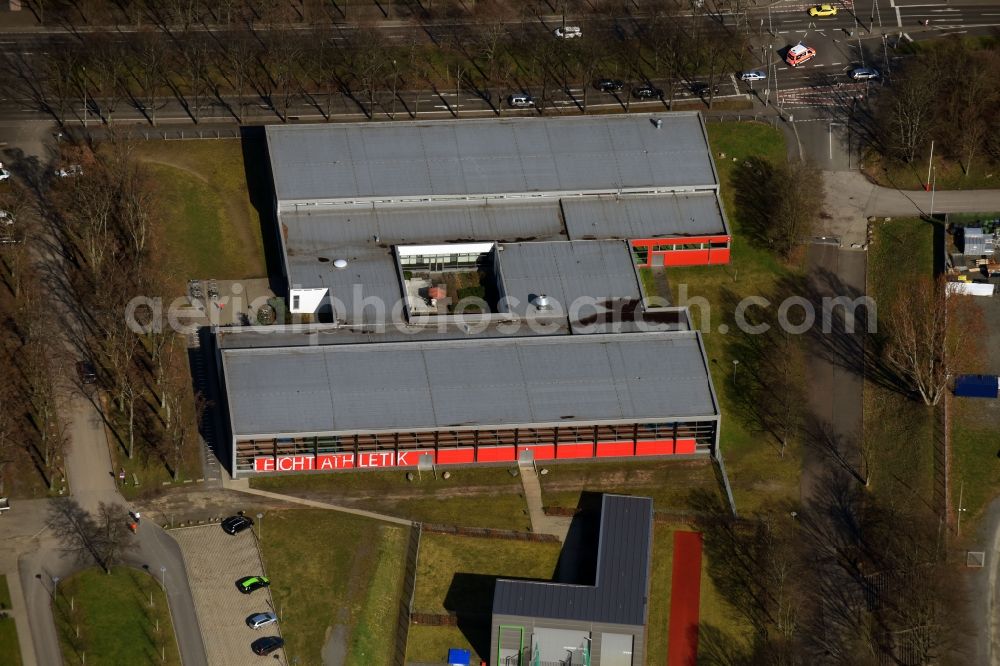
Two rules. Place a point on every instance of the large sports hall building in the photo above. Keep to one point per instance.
(474, 293)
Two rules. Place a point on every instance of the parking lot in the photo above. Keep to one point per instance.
(215, 561)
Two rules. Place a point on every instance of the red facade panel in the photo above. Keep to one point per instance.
(456, 456)
(654, 447)
(569, 451)
(542, 451)
(683, 258)
(615, 449)
(679, 257)
(495, 454)
(686, 446)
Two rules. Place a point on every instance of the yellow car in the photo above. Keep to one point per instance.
(823, 10)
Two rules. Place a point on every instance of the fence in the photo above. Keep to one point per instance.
(489, 533)
(406, 598)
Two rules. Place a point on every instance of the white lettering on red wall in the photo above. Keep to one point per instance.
(410, 458)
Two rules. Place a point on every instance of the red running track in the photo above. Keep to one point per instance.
(685, 600)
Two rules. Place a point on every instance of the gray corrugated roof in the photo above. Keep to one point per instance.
(487, 156)
(568, 271)
(644, 216)
(621, 589)
(475, 382)
(312, 236)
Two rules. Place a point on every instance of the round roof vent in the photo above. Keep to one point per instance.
(340, 263)
(542, 302)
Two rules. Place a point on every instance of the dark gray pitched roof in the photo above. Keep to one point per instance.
(619, 595)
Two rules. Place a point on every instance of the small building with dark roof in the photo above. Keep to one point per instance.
(599, 624)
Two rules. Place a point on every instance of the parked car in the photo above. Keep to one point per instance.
(521, 101)
(258, 620)
(647, 92)
(86, 372)
(753, 75)
(568, 32)
(266, 645)
(4, 174)
(248, 584)
(236, 524)
(799, 54)
(609, 85)
(864, 73)
(702, 88)
(823, 11)
(6, 218)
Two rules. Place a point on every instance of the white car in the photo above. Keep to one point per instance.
(568, 32)
(864, 73)
(753, 75)
(4, 174)
(6, 218)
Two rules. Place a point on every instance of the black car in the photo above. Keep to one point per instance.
(235, 524)
(609, 85)
(85, 370)
(266, 645)
(702, 88)
(647, 92)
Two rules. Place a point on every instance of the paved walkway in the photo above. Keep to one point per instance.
(851, 199)
(540, 523)
(243, 486)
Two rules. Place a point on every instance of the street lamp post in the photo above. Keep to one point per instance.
(736, 365)
(395, 77)
(55, 587)
(163, 577)
(84, 96)
(260, 525)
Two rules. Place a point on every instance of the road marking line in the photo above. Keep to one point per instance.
(899, 19)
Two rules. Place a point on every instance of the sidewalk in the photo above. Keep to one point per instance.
(19, 612)
(540, 523)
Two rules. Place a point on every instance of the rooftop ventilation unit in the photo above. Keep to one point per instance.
(542, 302)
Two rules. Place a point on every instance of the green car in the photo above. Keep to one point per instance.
(250, 583)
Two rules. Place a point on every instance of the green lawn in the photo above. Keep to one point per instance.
(898, 430)
(668, 482)
(456, 573)
(975, 438)
(352, 576)
(756, 471)
(107, 619)
(209, 229)
(430, 644)
(471, 497)
(10, 651)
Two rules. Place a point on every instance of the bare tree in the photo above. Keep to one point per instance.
(8, 442)
(778, 204)
(105, 540)
(933, 335)
(75, 529)
(113, 537)
(149, 65)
